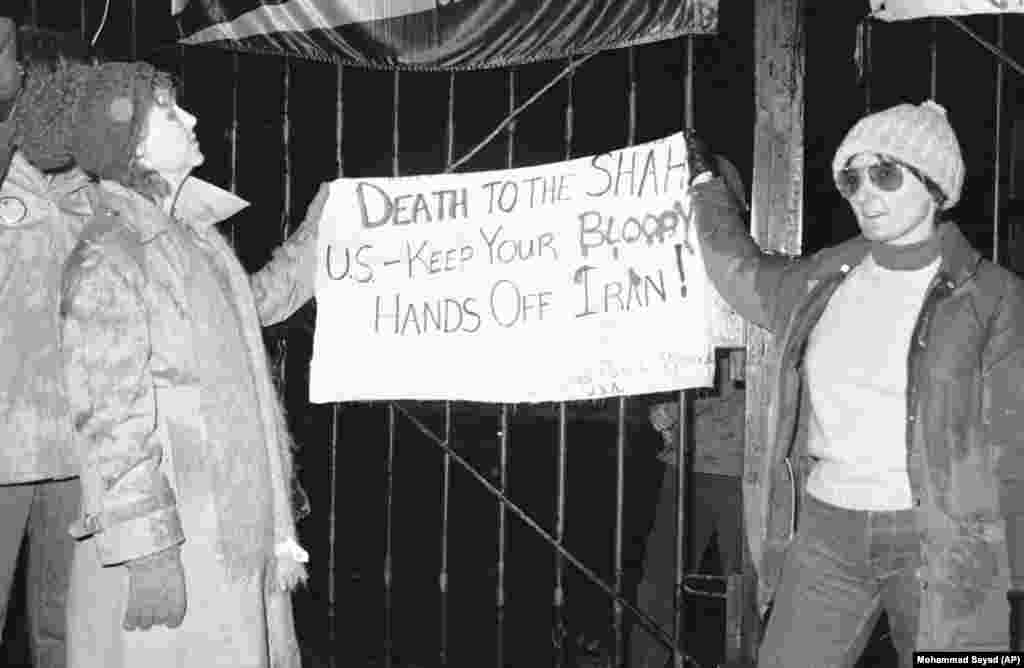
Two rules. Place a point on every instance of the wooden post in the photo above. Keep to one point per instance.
(777, 217)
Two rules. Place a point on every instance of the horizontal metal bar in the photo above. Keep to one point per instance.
(704, 594)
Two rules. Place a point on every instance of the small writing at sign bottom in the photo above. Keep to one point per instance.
(968, 659)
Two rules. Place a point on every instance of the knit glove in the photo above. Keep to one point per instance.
(156, 591)
(698, 156)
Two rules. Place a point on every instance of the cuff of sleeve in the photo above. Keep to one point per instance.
(140, 536)
(713, 190)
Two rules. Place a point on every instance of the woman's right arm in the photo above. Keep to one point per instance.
(751, 281)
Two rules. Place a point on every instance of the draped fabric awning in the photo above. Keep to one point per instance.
(438, 34)
(902, 10)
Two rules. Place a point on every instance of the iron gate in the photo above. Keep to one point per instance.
(264, 129)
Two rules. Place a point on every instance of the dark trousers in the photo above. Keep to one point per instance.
(43, 512)
(717, 509)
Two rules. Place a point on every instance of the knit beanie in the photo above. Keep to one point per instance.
(918, 135)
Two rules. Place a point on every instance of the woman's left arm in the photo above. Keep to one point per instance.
(287, 282)
(1003, 375)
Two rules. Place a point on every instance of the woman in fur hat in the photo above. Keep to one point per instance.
(898, 385)
(188, 550)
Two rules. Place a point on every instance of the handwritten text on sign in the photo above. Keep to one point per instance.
(580, 279)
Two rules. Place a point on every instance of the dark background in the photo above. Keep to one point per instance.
(280, 177)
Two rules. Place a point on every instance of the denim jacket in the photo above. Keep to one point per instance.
(965, 413)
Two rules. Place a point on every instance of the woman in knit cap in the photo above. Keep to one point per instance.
(188, 550)
(898, 386)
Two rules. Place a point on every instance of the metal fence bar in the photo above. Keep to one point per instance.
(339, 119)
(620, 460)
(281, 344)
(389, 491)
(332, 460)
(997, 190)
(682, 539)
(233, 133)
(558, 613)
(286, 145)
(233, 143)
(559, 631)
(446, 472)
(499, 653)
(631, 86)
(395, 135)
(449, 151)
(679, 612)
(442, 580)
(569, 111)
(510, 158)
(133, 17)
(389, 471)
(620, 418)
(933, 47)
(688, 83)
(332, 536)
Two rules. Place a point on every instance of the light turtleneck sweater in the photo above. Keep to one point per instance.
(856, 368)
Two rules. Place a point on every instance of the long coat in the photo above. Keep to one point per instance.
(40, 219)
(965, 413)
(181, 435)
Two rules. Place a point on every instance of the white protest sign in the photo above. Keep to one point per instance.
(575, 280)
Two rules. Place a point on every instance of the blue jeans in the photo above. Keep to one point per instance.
(43, 511)
(842, 569)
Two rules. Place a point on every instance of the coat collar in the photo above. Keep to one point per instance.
(959, 259)
(200, 205)
(29, 196)
(51, 186)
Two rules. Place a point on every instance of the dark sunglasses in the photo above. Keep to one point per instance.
(886, 175)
